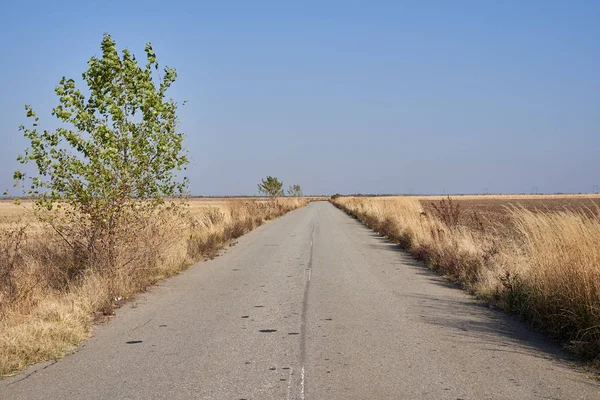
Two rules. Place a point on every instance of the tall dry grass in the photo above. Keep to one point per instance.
(51, 291)
(560, 288)
(547, 271)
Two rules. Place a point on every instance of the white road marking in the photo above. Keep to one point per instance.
(302, 385)
(309, 274)
(289, 392)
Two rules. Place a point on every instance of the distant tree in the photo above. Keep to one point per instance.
(271, 186)
(335, 196)
(295, 191)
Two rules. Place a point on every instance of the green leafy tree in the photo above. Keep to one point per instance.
(271, 186)
(295, 191)
(117, 152)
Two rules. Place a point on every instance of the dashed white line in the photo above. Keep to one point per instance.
(289, 392)
(302, 385)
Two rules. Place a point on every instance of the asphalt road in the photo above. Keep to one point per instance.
(310, 306)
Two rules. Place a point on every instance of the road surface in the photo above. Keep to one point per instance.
(310, 306)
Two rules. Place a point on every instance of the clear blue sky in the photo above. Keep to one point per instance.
(348, 96)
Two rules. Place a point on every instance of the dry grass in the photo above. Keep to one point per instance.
(49, 297)
(538, 261)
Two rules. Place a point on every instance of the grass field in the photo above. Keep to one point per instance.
(50, 294)
(536, 256)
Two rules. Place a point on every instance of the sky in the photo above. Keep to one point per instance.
(340, 96)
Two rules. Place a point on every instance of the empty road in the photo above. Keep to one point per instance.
(310, 306)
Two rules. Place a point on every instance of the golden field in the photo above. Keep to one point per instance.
(536, 256)
(49, 298)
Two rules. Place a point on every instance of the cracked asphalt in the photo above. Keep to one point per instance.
(312, 305)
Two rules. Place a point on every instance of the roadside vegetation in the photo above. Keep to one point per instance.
(50, 295)
(540, 263)
(106, 214)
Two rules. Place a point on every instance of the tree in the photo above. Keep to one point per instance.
(271, 186)
(117, 151)
(295, 191)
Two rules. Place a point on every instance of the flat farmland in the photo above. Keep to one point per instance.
(23, 212)
(12, 212)
(493, 213)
